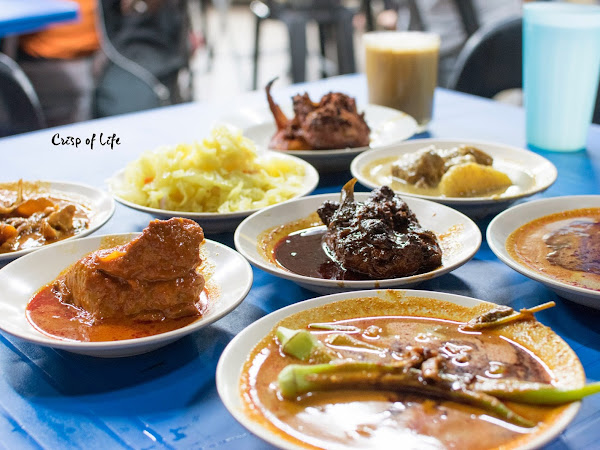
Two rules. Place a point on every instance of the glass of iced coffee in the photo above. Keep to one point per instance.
(401, 69)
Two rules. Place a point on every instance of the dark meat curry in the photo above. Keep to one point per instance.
(149, 285)
(378, 239)
(332, 123)
(375, 372)
(31, 216)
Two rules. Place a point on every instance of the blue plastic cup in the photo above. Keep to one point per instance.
(561, 66)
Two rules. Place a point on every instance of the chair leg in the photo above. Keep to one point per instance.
(322, 44)
(297, 32)
(255, 54)
(345, 43)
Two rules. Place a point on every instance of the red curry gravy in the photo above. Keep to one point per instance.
(564, 246)
(54, 318)
(385, 419)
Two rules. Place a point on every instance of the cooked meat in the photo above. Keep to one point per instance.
(426, 167)
(164, 251)
(425, 170)
(576, 246)
(63, 218)
(380, 237)
(151, 278)
(332, 123)
(38, 218)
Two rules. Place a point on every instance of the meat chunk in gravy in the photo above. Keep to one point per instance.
(153, 277)
(380, 237)
(426, 167)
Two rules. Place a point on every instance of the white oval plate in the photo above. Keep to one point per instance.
(234, 356)
(388, 126)
(530, 173)
(217, 222)
(100, 203)
(505, 223)
(229, 272)
(463, 241)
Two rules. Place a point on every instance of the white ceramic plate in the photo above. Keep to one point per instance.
(388, 126)
(461, 240)
(100, 203)
(217, 222)
(234, 356)
(511, 219)
(530, 173)
(230, 274)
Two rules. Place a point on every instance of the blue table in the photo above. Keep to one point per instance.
(167, 398)
(26, 16)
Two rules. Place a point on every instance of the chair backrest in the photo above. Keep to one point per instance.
(20, 109)
(491, 60)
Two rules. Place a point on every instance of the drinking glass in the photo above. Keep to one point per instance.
(561, 65)
(402, 70)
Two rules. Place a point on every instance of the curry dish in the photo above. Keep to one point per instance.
(31, 216)
(332, 123)
(380, 238)
(372, 372)
(563, 246)
(147, 286)
(463, 171)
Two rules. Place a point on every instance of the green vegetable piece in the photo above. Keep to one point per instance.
(534, 393)
(302, 344)
(296, 380)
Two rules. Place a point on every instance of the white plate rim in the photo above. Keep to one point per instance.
(521, 211)
(85, 192)
(361, 160)
(246, 277)
(354, 284)
(230, 361)
(311, 180)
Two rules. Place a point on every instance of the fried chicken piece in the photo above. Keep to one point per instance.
(380, 237)
(332, 123)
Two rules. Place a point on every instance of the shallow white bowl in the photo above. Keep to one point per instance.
(234, 356)
(20, 280)
(216, 222)
(101, 204)
(465, 241)
(504, 224)
(522, 166)
(388, 126)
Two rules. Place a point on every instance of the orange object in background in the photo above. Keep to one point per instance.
(66, 41)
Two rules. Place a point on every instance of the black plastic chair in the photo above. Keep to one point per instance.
(20, 109)
(491, 60)
(330, 15)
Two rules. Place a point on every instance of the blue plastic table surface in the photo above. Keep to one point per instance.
(26, 16)
(167, 398)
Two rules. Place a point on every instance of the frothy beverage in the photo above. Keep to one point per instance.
(401, 71)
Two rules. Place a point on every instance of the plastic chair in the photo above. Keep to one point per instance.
(20, 109)
(295, 14)
(491, 60)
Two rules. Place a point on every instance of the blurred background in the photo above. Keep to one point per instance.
(126, 55)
